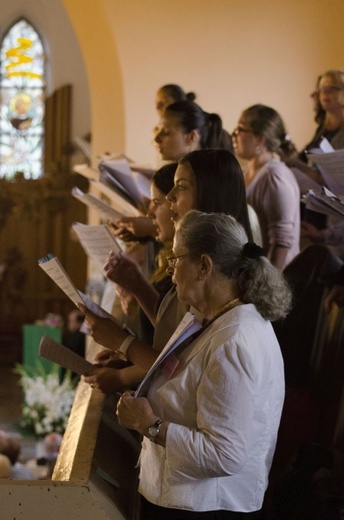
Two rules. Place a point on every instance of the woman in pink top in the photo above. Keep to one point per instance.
(271, 188)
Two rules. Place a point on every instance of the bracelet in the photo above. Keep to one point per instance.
(122, 350)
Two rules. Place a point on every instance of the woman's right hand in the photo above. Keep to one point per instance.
(107, 380)
(104, 331)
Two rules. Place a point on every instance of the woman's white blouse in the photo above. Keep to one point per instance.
(224, 404)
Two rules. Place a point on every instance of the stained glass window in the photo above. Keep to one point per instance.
(22, 95)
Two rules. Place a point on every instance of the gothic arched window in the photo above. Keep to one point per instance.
(22, 102)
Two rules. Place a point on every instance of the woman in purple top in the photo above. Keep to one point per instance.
(271, 188)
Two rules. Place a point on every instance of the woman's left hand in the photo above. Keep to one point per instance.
(123, 270)
(135, 413)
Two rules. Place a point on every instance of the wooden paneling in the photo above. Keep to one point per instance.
(58, 130)
(39, 223)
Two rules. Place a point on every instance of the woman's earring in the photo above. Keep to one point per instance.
(201, 277)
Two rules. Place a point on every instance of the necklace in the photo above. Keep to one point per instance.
(226, 307)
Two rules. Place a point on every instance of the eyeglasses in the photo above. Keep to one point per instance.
(172, 260)
(329, 90)
(240, 130)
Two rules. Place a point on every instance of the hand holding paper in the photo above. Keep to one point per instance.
(52, 266)
(106, 332)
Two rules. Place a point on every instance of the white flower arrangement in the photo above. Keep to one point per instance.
(47, 400)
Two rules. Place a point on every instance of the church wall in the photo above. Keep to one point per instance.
(232, 54)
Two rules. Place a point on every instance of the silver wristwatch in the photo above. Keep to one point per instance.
(153, 431)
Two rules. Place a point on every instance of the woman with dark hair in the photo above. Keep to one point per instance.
(272, 190)
(191, 185)
(151, 289)
(213, 407)
(185, 127)
(161, 215)
(171, 93)
(228, 174)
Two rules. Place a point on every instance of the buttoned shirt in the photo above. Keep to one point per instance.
(224, 403)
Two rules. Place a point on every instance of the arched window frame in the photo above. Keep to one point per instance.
(22, 129)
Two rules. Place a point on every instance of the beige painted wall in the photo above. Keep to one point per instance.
(99, 50)
(232, 53)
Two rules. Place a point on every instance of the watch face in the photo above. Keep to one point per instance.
(153, 431)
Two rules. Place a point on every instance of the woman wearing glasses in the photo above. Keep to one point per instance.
(212, 411)
(272, 190)
(330, 92)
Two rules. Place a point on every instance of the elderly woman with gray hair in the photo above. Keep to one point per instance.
(212, 411)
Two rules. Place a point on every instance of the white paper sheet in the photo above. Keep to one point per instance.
(99, 205)
(97, 241)
(331, 167)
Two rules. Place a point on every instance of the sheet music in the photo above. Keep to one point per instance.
(54, 269)
(120, 203)
(324, 202)
(104, 209)
(304, 181)
(54, 351)
(109, 156)
(187, 326)
(97, 241)
(147, 172)
(331, 182)
(52, 266)
(119, 173)
(143, 184)
(331, 164)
